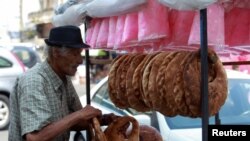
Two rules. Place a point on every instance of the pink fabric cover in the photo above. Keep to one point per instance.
(215, 27)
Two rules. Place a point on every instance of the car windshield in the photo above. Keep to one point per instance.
(102, 97)
(236, 109)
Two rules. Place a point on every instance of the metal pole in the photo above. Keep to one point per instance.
(204, 74)
(87, 63)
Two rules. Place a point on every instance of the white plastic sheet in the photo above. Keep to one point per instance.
(108, 8)
(73, 15)
(187, 4)
(62, 8)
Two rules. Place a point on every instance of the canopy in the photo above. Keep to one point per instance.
(141, 27)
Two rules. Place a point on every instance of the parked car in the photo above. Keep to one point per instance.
(100, 99)
(10, 68)
(26, 52)
(236, 110)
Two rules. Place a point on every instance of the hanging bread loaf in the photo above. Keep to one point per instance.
(168, 82)
(112, 85)
(116, 131)
(163, 106)
(137, 102)
(145, 78)
(153, 91)
(148, 133)
(121, 81)
(132, 95)
(179, 93)
(217, 84)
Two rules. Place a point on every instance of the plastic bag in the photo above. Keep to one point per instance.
(102, 38)
(89, 32)
(119, 30)
(153, 22)
(130, 33)
(73, 15)
(108, 8)
(97, 25)
(187, 4)
(112, 31)
(180, 23)
(237, 27)
(215, 27)
(61, 8)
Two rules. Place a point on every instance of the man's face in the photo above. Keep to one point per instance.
(69, 60)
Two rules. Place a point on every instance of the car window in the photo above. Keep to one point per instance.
(27, 55)
(4, 63)
(236, 109)
(23, 55)
(102, 97)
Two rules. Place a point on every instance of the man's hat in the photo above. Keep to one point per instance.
(69, 36)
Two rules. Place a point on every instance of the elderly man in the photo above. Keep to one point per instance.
(44, 104)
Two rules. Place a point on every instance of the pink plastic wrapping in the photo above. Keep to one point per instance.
(153, 22)
(112, 31)
(89, 33)
(102, 38)
(130, 33)
(237, 27)
(119, 31)
(97, 25)
(180, 25)
(215, 27)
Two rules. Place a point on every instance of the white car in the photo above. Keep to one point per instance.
(10, 68)
(100, 99)
(236, 110)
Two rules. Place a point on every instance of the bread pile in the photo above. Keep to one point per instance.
(149, 133)
(168, 82)
(119, 130)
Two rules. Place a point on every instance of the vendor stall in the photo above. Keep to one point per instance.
(162, 39)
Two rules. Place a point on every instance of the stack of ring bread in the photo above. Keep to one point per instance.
(119, 130)
(168, 82)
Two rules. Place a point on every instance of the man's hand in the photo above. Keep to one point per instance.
(89, 112)
(106, 119)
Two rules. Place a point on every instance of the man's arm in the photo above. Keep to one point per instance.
(54, 129)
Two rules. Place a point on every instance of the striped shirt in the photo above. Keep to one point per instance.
(40, 97)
